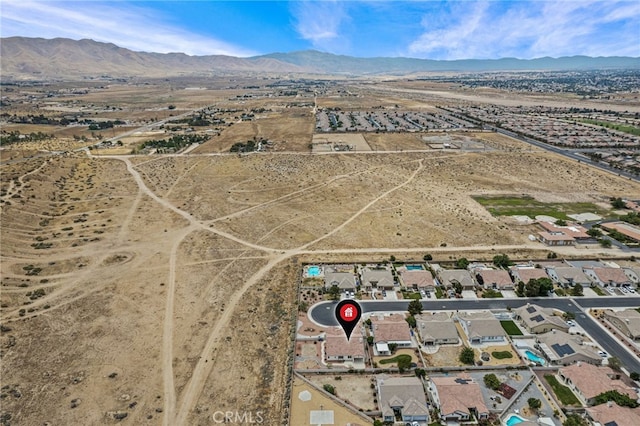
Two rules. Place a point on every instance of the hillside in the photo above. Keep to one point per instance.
(37, 58)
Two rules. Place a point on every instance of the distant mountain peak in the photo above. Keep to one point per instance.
(24, 58)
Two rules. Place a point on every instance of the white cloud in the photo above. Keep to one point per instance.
(123, 24)
(531, 29)
(319, 21)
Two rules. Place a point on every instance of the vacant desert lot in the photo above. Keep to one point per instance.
(164, 288)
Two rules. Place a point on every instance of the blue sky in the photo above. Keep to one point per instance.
(419, 29)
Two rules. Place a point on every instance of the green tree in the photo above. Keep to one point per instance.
(617, 203)
(415, 307)
(420, 373)
(605, 242)
(427, 257)
(404, 363)
(575, 420)
(329, 388)
(634, 376)
(457, 287)
(491, 381)
(561, 222)
(462, 263)
(577, 290)
(411, 320)
(393, 347)
(501, 261)
(569, 316)
(534, 403)
(594, 232)
(334, 292)
(520, 289)
(538, 287)
(467, 356)
(392, 258)
(370, 340)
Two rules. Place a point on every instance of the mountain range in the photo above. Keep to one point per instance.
(38, 58)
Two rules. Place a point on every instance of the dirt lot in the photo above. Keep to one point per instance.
(355, 389)
(164, 287)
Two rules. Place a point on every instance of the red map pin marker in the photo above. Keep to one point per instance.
(348, 314)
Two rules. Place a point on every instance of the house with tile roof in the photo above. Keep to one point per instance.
(526, 273)
(627, 321)
(338, 349)
(568, 276)
(481, 327)
(560, 348)
(448, 277)
(611, 414)
(390, 329)
(380, 278)
(588, 381)
(496, 279)
(417, 279)
(458, 397)
(607, 277)
(403, 397)
(537, 319)
(346, 281)
(437, 328)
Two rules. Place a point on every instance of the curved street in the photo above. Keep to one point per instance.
(323, 314)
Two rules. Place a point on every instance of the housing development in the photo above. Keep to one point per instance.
(180, 233)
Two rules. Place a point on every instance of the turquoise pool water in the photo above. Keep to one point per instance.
(413, 267)
(313, 271)
(533, 357)
(513, 420)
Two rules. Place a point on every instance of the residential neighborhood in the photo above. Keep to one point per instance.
(531, 364)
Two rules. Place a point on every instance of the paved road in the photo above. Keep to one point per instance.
(573, 155)
(323, 313)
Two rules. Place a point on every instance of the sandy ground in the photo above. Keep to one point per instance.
(164, 287)
(355, 390)
(300, 410)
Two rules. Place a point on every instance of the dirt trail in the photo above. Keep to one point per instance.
(167, 335)
(13, 189)
(366, 207)
(202, 370)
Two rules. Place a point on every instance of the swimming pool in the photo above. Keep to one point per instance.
(313, 271)
(513, 419)
(413, 267)
(533, 357)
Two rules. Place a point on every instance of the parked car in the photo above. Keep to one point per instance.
(603, 354)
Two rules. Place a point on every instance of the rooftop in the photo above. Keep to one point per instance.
(438, 326)
(611, 275)
(559, 345)
(528, 273)
(459, 393)
(390, 328)
(336, 343)
(456, 275)
(498, 277)
(571, 229)
(630, 317)
(592, 380)
(405, 392)
(418, 278)
(608, 414)
(481, 324)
